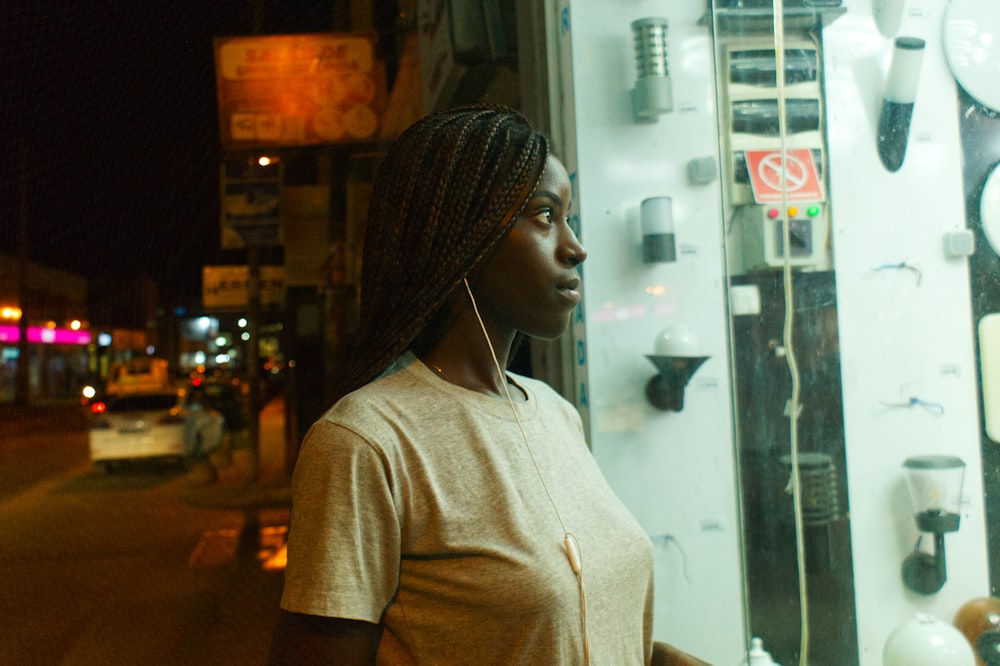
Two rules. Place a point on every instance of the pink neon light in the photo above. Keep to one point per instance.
(53, 336)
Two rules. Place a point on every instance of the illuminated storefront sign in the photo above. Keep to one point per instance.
(40, 335)
(293, 90)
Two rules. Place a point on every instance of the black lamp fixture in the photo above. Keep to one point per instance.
(935, 485)
(676, 359)
(897, 102)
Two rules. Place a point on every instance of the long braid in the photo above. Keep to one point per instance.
(448, 190)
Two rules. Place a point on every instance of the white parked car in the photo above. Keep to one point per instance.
(137, 425)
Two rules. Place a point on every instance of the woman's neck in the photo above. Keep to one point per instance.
(464, 357)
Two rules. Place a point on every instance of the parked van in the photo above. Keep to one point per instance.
(138, 375)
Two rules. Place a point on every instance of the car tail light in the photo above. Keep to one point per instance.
(98, 420)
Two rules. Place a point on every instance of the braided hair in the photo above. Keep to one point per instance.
(448, 190)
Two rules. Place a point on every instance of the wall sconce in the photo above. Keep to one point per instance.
(676, 360)
(652, 95)
(656, 223)
(935, 485)
(897, 101)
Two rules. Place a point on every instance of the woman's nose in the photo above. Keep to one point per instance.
(575, 252)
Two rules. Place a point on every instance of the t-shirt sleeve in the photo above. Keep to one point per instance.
(344, 537)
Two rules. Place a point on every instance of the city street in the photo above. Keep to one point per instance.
(143, 566)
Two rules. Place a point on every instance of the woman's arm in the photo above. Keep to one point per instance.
(668, 655)
(309, 639)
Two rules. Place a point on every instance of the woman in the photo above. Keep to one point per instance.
(446, 511)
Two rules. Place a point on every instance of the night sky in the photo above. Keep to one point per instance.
(114, 104)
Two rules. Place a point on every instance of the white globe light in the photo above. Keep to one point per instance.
(676, 341)
(926, 641)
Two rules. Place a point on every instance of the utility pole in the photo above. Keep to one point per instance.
(253, 308)
(22, 396)
(253, 350)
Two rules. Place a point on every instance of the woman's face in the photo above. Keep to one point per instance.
(530, 284)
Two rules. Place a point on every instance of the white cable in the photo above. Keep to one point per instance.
(793, 401)
(570, 543)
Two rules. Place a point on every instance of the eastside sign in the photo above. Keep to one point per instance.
(228, 287)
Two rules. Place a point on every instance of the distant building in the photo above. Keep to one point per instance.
(54, 306)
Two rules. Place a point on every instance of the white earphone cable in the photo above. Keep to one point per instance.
(570, 543)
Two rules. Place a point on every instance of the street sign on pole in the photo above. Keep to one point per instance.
(228, 287)
(251, 202)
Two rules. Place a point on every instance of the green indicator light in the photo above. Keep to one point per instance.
(813, 211)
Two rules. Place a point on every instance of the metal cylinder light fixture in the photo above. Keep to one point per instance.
(651, 96)
(820, 493)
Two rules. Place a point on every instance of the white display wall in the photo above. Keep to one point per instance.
(905, 333)
(675, 470)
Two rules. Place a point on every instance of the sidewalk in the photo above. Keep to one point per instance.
(235, 487)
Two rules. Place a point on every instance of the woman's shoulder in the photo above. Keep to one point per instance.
(367, 418)
(380, 398)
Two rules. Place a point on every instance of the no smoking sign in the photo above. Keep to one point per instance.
(796, 175)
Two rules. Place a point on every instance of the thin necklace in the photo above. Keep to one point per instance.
(441, 373)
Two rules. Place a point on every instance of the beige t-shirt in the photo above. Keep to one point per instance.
(417, 504)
